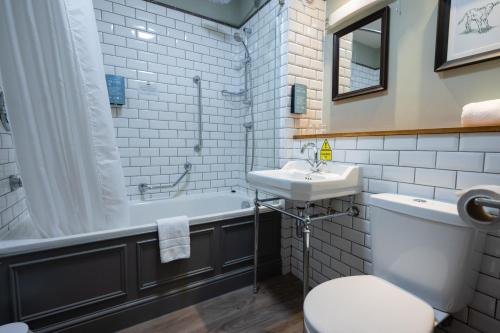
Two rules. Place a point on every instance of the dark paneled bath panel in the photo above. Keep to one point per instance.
(112, 284)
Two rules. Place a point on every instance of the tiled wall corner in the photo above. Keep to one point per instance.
(263, 44)
(306, 24)
(156, 131)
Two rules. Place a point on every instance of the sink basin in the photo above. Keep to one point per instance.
(296, 181)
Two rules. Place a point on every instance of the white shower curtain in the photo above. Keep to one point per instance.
(56, 95)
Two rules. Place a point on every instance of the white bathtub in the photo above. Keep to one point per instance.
(200, 208)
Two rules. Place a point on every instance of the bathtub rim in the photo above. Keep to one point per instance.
(24, 246)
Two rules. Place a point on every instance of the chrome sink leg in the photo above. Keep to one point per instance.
(256, 241)
(305, 251)
(303, 223)
(299, 223)
(305, 234)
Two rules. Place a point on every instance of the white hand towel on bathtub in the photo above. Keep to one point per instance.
(485, 113)
(173, 236)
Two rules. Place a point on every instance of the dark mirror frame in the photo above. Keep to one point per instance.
(384, 15)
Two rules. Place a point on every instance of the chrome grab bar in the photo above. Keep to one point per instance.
(233, 93)
(143, 188)
(197, 148)
(487, 202)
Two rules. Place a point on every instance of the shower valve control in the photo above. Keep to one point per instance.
(15, 182)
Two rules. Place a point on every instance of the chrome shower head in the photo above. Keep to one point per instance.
(237, 37)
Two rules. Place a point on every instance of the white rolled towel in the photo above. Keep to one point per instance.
(477, 216)
(486, 113)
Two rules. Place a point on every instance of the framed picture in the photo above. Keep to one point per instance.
(468, 32)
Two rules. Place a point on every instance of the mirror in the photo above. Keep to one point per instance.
(360, 56)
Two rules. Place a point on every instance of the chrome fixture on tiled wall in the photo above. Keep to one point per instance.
(12, 203)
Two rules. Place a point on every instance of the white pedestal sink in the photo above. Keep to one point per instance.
(296, 181)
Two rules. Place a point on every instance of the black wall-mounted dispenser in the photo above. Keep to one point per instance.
(299, 98)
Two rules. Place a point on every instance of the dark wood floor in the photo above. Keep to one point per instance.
(276, 308)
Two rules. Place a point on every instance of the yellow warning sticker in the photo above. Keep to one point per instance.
(326, 151)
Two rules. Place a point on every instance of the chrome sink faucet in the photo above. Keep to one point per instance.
(316, 162)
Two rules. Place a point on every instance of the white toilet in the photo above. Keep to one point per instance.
(425, 261)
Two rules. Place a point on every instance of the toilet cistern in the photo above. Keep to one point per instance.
(316, 162)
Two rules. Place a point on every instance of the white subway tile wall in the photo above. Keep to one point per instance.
(341, 247)
(302, 43)
(12, 204)
(159, 50)
(438, 142)
(363, 76)
(300, 36)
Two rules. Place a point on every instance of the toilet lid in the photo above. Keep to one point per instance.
(366, 303)
(14, 328)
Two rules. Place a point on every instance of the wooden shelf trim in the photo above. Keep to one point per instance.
(402, 132)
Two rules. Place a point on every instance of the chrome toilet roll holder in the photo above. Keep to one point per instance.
(487, 202)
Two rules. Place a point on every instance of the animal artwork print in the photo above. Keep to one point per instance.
(478, 17)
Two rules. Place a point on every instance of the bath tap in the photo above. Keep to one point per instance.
(15, 182)
(316, 163)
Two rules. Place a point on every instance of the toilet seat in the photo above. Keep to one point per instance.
(365, 304)
(14, 328)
